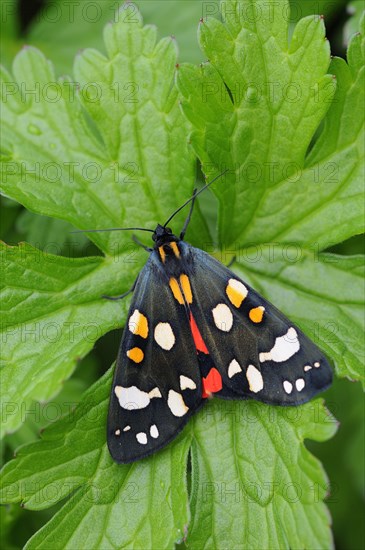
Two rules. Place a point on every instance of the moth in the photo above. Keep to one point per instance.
(196, 330)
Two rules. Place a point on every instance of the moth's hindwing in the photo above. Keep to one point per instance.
(156, 385)
(259, 353)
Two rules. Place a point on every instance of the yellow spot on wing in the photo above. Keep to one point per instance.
(256, 314)
(175, 248)
(185, 285)
(174, 285)
(162, 254)
(236, 292)
(136, 354)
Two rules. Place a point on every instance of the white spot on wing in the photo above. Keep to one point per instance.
(254, 378)
(135, 320)
(233, 368)
(237, 285)
(288, 386)
(133, 398)
(176, 403)
(307, 368)
(164, 336)
(154, 393)
(187, 383)
(126, 429)
(154, 431)
(285, 347)
(117, 432)
(317, 364)
(299, 384)
(223, 317)
(141, 438)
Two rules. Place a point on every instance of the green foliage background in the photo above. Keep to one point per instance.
(72, 495)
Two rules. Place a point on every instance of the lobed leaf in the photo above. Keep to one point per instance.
(52, 314)
(236, 489)
(109, 506)
(94, 164)
(268, 98)
(259, 487)
(253, 482)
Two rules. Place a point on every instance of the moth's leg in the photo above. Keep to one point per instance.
(187, 221)
(137, 241)
(124, 293)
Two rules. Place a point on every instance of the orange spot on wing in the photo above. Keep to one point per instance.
(186, 288)
(162, 254)
(234, 296)
(256, 314)
(212, 383)
(175, 249)
(136, 354)
(236, 292)
(174, 285)
(143, 327)
(198, 339)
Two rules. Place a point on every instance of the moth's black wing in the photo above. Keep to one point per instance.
(258, 352)
(157, 384)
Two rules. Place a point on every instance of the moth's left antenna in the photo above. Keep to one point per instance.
(112, 229)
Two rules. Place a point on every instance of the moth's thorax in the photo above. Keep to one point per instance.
(166, 244)
(169, 251)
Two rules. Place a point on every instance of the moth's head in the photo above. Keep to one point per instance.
(162, 235)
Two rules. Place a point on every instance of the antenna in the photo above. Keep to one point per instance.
(194, 196)
(164, 225)
(113, 229)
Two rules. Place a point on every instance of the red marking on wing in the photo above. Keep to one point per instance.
(212, 383)
(198, 339)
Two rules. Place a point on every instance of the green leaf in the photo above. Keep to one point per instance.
(344, 459)
(96, 169)
(254, 481)
(266, 130)
(63, 28)
(143, 505)
(180, 19)
(9, 29)
(355, 8)
(51, 317)
(39, 415)
(8, 517)
(280, 94)
(147, 169)
(9, 213)
(301, 8)
(35, 141)
(49, 234)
